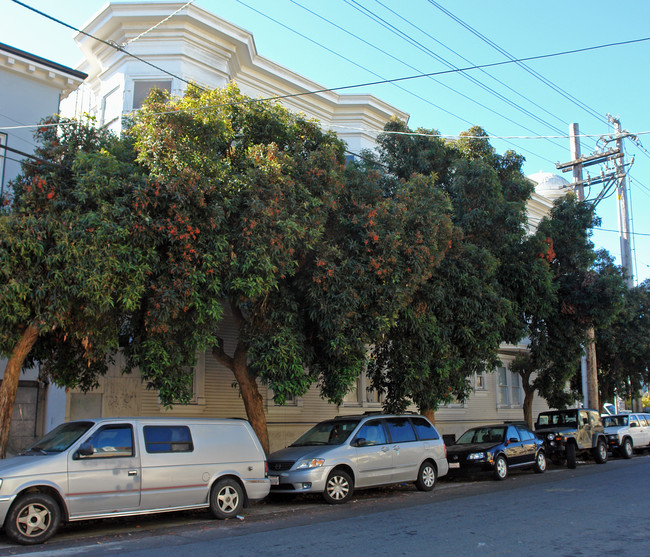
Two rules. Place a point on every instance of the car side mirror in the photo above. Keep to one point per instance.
(585, 421)
(359, 442)
(513, 440)
(85, 450)
(634, 425)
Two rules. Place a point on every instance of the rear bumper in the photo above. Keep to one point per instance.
(257, 489)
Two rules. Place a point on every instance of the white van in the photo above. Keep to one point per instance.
(129, 466)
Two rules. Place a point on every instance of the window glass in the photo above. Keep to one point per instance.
(168, 439)
(513, 433)
(332, 432)
(424, 429)
(373, 433)
(112, 441)
(642, 420)
(400, 430)
(634, 422)
(141, 90)
(525, 434)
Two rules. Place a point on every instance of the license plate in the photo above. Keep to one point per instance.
(275, 480)
(454, 465)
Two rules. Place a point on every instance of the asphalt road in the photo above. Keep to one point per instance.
(594, 509)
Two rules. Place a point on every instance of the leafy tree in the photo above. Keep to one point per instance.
(313, 260)
(68, 268)
(467, 307)
(623, 348)
(588, 291)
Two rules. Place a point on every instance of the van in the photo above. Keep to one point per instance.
(338, 456)
(129, 466)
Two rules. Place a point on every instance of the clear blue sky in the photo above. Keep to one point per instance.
(345, 42)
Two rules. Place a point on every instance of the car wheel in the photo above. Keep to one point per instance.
(500, 468)
(226, 498)
(600, 452)
(571, 459)
(426, 477)
(338, 488)
(540, 463)
(33, 518)
(627, 450)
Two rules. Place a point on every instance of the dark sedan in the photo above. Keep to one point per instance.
(496, 449)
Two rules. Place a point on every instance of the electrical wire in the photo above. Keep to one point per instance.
(159, 23)
(520, 63)
(112, 44)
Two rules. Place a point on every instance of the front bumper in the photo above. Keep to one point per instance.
(301, 481)
(470, 467)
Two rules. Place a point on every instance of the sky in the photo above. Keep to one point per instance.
(526, 107)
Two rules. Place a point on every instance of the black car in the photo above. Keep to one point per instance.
(496, 449)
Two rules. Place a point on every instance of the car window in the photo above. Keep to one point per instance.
(642, 420)
(112, 441)
(482, 435)
(634, 422)
(400, 430)
(332, 432)
(525, 434)
(424, 429)
(513, 433)
(168, 439)
(371, 433)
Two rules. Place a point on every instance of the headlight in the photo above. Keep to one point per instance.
(310, 463)
(476, 456)
(550, 436)
(613, 436)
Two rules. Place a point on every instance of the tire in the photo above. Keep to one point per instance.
(500, 468)
(626, 448)
(226, 499)
(540, 463)
(33, 518)
(426, 477)
(600, 452)
(571, 459)
(338, 488)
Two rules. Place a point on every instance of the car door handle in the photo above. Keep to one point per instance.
(133, 472)
(385, 449)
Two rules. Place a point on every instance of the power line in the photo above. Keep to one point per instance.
(112, 44)
(159, 23)
(618, 232)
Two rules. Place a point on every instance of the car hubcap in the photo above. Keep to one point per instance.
(33, 520)
(337, 488)
(501, 468)
(603, 451)
(541, 462)
(428, 476)
(228, 499)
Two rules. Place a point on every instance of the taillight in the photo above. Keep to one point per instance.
(266, 468)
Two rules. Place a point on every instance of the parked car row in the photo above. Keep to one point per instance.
(130, 466)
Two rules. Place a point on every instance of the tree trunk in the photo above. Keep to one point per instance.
(592, 370)
(9, 385)
(430, 415)
(529, 395)
(250, 394)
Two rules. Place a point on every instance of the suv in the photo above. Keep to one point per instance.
(572, 433)
(627, 433)
(337, 456)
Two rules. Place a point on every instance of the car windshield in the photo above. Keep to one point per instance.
(334, 432)
(610, 421)
(482, 435)
(561, 418)
(59, 439)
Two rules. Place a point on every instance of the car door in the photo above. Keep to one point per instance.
(406, 449)
(638, 431)
(514, 447)
(528, 444)
(584, 430)
(374, 457)
(104, 472)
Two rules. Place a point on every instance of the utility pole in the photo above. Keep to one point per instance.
(589, 365)
(621, 193)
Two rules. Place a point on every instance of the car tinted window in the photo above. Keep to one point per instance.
(525, 434)
(168, 439)
(424, 429)
(400, 430)
(112, 441)
(332, 432)
(372, 433)
(513, 433)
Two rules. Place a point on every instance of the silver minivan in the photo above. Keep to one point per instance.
(337, 456)
(128, 466)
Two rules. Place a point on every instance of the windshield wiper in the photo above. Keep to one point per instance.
(38, 450)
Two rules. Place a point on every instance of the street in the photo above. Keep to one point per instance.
(593, 509)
